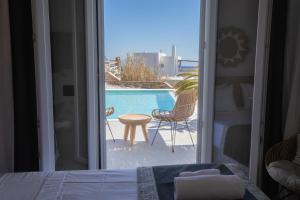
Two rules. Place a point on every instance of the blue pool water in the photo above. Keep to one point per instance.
(138, 101)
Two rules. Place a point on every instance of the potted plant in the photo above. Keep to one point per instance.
(190, 81)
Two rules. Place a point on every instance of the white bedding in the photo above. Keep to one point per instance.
(87, 185)
(75, 185)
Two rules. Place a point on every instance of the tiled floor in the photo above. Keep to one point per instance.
(120, 155)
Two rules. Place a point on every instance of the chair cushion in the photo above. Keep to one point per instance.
(286, 173)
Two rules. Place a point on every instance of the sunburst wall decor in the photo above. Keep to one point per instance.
(232, 46)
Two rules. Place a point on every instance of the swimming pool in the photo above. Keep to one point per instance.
(141, 101)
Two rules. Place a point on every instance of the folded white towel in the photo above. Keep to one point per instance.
(200, 172)
(209, 187)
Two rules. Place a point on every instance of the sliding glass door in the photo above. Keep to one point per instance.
(234, 84)
(72, 71)
(85, 87)
(67, 83)
(67, 36)
(239, 90)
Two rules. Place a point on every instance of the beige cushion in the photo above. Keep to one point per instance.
(286, 173)
(297, 156)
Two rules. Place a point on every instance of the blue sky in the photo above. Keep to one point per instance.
(151, 25)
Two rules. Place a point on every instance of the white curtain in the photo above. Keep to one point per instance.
(291, 86)
(6, 96)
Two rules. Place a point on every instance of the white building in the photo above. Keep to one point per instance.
(160, 62)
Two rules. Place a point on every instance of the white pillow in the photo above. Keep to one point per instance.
(224, 100)
(247, 91)
(200, 172)
(297, 157)
(209, 187)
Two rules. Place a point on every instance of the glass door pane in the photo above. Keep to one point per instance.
(234, 83)
(67, 33)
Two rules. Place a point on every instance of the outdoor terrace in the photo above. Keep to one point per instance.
(120, 155)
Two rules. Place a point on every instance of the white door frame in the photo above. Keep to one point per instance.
(207, 49)
(101, 81)
(207, 79)
(260, 90)
(92, 83)
(43, 74)
(200, 80)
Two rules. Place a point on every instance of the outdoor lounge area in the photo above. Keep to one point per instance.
(121, 155)
(140, 127)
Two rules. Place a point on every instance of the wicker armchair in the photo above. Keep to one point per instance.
(284, 153)
(182, 111)
(108, 112)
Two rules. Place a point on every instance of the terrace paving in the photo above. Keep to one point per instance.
(120, 155)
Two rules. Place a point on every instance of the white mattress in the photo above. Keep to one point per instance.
(75, 185)
(224, 120)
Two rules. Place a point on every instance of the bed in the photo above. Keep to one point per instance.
(144, 183)
(75, 185)
(232, 136)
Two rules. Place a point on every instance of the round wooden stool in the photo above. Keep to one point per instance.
(131, 121)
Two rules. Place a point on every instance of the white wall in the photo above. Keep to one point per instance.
(6, 93)
(169, 68)
(151, 60)
(156, 60)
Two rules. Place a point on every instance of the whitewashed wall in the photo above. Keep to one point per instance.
(169, 68)
(157, 60)
(150, 59)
